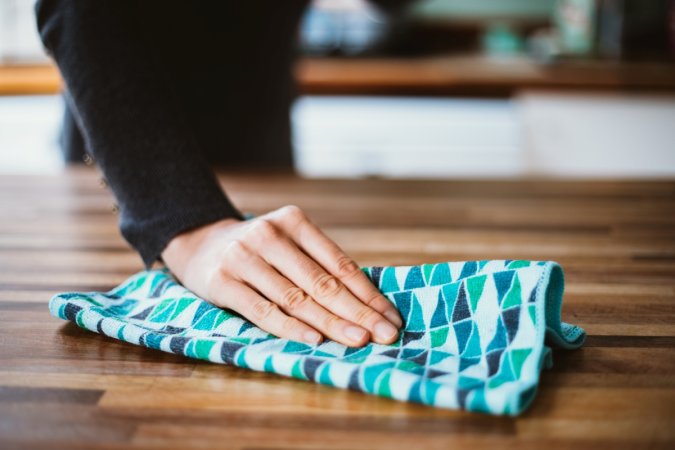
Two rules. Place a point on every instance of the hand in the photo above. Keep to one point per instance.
(281, 272)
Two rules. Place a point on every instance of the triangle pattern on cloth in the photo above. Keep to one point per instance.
(463, 345)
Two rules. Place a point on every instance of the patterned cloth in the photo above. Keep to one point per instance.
(473, 337)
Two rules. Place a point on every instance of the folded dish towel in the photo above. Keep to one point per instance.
(473, 337)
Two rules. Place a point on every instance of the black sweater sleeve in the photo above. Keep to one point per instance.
(131, 121)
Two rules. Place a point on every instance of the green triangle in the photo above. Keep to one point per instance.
(475, 286)
(202, 348)
(243, 340)
(384, 387)
(180, 306)
(426, 270)
(532, 309)
(297, 370)
(519, 263)
(321, 353)
(518, 358)
(439, 336)
(514, 296)
(161, 312)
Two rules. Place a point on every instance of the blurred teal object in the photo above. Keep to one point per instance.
(574, 20)
(484, 9)
(500, 39)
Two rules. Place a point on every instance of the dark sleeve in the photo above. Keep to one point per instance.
(131, 121)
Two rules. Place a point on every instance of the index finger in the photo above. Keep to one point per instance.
(309, 237)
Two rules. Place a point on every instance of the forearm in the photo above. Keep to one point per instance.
(132, 122)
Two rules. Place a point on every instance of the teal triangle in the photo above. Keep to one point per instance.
(469, 269)
(441, 274)
(296, 347)
(473, 347)
(413, 279)
(439, 318)
(504, 375)
(499, 339)
(416, 320)
(450, 292)
(502, 283)
(389, 283)
(479, 402)
(438, 356)
(372, 373)
(462, 333)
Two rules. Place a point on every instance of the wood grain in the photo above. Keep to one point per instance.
(64, 387)
(426, 75)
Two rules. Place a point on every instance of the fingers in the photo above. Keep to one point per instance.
(310, 239)
(297, 303)
(281, 253)
(229, 293)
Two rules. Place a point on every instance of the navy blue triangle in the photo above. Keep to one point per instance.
(433, 373)
(461, 310)
(409, 336)
(375, 274)
(140, 316)
(511, 319)
(354, 384)
(310, 366)
(228, 350)
(493, 359)
(393, 353)
(420, 359)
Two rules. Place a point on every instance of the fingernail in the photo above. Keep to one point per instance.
(393, 318)
(355, 333)
(311, 337)
(385, 331)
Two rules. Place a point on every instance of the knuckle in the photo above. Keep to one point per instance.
(264, 230)
(215, 282)
(263, 310)
(331, 322)
(237, 251)
(373, 299)
(288, 325)
(293, 211)
(294, 298)
(326, 285)
(347, 267)
(365, 315)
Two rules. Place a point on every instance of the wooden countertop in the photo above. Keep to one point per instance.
(431, 75)
(63, 387)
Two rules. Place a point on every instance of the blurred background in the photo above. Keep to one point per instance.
(437, 89)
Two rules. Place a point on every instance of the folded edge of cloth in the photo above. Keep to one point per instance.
(473, 337)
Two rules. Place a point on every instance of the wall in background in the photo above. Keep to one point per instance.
(534, 134)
